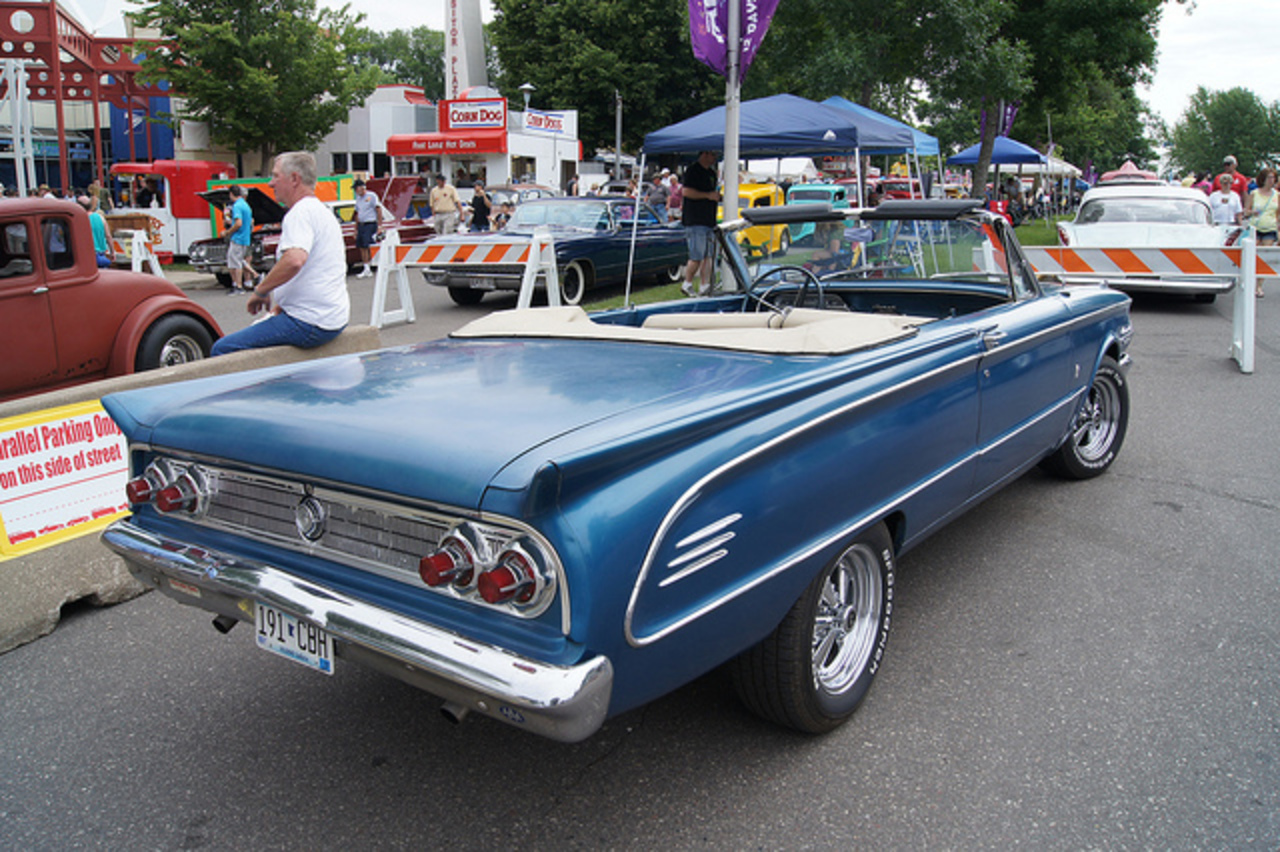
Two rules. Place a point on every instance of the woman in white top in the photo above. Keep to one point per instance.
(1226, 205)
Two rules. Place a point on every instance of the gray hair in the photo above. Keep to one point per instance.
(300, 163)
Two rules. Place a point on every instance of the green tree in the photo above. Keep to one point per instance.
(414, 57)
(1235, 122)
(865, 50)
(266, 75)
(577, 53)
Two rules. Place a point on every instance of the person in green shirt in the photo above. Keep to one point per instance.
(98, 224)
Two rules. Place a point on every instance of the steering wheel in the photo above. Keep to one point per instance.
(780, 272)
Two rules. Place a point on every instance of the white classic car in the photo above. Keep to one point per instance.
(1149, 214)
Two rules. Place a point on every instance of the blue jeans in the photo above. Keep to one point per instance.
(278, 330)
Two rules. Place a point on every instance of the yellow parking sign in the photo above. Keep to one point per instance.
(62, 474)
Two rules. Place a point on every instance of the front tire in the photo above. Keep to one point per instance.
(173, 339)
(816, 667)
(1099, 428)
(574, 282)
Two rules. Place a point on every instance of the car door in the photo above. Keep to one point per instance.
(659, 246)
(28, 351)
(1026, 377)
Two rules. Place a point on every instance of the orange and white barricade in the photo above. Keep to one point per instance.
(537, 254)
(1237, 267)
(141, 250)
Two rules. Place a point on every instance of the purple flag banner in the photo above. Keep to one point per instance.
(1010, 113)
(709, 31)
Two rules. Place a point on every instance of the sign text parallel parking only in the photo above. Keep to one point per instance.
(62, 474)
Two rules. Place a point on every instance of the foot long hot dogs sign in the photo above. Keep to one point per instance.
(62, 474)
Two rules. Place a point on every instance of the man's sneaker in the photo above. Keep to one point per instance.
(365, 273)
(687, 288)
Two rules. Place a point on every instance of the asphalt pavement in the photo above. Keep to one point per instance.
(1086, 665)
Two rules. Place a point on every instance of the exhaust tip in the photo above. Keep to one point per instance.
(455, 713)
(224, 623)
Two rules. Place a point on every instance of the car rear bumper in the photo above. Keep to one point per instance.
(565, 703)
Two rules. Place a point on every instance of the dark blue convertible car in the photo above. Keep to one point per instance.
(552, 517)
(597, 239)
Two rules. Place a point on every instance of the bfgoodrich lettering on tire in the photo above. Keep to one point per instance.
(813, 671)
(1099, 428)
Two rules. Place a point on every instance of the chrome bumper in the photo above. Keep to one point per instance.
(565, 703)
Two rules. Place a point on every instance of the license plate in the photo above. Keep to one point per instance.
(281, 633)
(484, 284)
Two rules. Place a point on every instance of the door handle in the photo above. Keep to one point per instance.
(992, 339)
(39, 290)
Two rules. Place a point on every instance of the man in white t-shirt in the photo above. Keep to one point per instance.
(308, 284)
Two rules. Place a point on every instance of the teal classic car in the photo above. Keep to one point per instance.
(552, 517)
(835, 195)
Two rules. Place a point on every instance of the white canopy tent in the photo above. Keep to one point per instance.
(1055, 167)
(794, 169)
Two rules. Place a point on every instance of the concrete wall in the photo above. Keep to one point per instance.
(34, 587)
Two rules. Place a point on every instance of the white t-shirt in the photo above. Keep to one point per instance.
(1225, 205)
(318, 293)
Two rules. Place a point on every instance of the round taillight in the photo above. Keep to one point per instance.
(140, 490)
(455, 559)
(172, 499)
(183, 495)
(445, 566)
(512, 579)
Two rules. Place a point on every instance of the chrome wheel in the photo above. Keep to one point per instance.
(180, 349)
(1098, 421)
(847, 622)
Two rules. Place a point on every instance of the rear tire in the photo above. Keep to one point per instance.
(173, 339)
(817, 666)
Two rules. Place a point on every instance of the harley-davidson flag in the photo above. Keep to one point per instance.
(709, 31)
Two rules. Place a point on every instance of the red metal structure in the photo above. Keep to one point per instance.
(66, 63)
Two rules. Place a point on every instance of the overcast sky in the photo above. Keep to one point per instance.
(1220, 45)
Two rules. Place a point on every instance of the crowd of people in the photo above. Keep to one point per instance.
(1237, 199)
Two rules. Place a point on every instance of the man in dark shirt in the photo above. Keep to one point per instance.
(699, 218)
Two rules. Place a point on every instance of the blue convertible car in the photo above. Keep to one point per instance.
(595, 240)
(552, 517)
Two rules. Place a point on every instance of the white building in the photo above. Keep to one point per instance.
(480, 138)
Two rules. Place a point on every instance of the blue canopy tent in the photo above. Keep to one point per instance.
(778, 126)
(1004, 152)
(922, 144)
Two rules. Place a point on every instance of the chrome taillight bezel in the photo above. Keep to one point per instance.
(167, 480)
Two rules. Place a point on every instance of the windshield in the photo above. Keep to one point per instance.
(585, 215)
(852, 249)
(810, 195)
(1156, 211)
